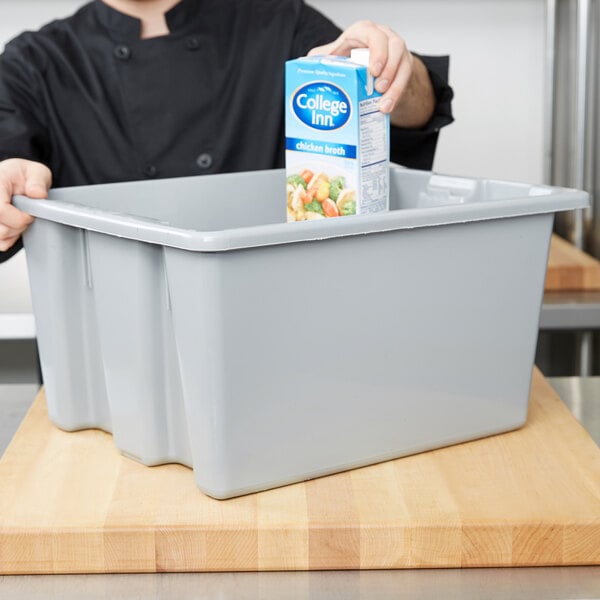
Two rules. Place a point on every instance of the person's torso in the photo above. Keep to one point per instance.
(207, 98)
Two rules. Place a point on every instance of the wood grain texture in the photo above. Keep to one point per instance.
(570, 269)
(70, 503)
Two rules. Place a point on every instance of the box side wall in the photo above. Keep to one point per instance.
(63, 300)
(323, 356)
(143, 381)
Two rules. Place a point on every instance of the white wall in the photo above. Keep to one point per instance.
(497, 70)
(18, 15)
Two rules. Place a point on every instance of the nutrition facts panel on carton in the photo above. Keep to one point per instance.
(373, 155)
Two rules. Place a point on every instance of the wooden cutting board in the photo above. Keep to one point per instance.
(69, 503)
(570, 268)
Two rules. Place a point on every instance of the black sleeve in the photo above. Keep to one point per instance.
(4, 256)
(21, 132)
(415, 148)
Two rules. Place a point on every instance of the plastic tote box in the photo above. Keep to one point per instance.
(189, 319)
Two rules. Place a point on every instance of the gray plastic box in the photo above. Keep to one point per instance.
(187, 318)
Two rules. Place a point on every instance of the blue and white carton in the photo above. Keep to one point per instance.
(337, 141)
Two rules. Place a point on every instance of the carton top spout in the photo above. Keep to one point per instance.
(360, 56)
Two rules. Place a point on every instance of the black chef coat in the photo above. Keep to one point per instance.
(89, 98)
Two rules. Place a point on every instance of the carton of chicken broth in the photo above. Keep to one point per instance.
(337, 141)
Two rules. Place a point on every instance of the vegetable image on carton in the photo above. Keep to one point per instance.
(337, 140)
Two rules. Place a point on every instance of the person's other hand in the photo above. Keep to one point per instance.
(402, 78)
(19, 176)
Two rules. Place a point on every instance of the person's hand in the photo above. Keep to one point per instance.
(402, 78)
(19, 176)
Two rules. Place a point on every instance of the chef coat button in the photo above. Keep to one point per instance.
(122, 52)
(150, 171)
(204, 161)
(192, 43)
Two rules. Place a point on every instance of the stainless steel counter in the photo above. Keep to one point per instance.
(15, 399)
(582, 395)
(571, 310)
(575, 311)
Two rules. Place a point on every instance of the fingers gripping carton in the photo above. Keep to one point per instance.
(337, 141)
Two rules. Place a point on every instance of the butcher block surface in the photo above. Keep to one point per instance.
(570, 269)
(70, 503)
